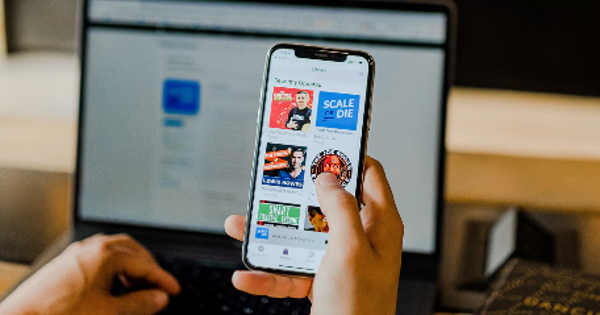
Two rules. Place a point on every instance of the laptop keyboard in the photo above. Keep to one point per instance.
(207, 290)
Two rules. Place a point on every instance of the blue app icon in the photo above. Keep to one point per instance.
(262, 233)
(338, 110)
(181, 97)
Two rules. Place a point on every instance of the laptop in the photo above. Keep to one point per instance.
(170, 175)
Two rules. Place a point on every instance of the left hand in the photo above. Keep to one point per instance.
(79, 281)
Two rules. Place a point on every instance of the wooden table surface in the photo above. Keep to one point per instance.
(10, 274)
(529, 149)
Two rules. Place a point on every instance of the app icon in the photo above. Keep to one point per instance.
(291, 109)
(338, 110)
(315, 220)
(285, 251)
(334, 162)
(262, 233)
(311, 254)
(279, 215)
(261, 248)
(284, 165)
(181, 97)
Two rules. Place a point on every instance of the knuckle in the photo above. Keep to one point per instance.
(102, 248)
(291, 287)
(75, 247)
(375, 162)
(339, 199)
(400, 224)
(95, 238)
(348, 204)
(395, 222)
(120, 237)
(345, 199)
(124, 236)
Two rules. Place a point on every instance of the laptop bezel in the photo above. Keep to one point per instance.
(415, 265)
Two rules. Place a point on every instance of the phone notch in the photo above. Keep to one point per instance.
(322, 54)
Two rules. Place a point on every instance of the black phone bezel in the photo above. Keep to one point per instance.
(311, 52)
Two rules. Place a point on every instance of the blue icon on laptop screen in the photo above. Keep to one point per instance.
(181, 97)
(262, 233)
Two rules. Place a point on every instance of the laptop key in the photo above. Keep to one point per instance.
(208, 290)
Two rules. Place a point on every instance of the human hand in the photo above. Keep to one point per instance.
(79, 281)
(292, 125)
(361, 267)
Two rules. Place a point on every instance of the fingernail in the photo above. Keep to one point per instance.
(327, 179)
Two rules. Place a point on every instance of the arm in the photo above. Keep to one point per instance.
(360, 270)
(80, 279)
(291, 124)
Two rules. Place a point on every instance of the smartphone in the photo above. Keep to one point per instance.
(314, 118)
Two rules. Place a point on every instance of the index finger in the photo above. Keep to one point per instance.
(380, 215)
(263, 283)
(124, 242)
(139, 268)
(376, 189)
(341, 209)
(235, 226)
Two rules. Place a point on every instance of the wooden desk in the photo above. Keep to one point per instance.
(10, 274)
(529, 149)
(38, 112)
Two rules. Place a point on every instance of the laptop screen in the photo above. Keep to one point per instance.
(170, 93)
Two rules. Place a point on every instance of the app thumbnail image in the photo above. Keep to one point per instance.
(284, 166)
(315, 220)
(276, 214)
(181, 97)
(332, 161)
(337, 110)
(291, 109)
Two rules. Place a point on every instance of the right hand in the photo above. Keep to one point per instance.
(361, 267)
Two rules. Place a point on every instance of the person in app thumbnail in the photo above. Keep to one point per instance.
(333, 165)
(296, 169)
(318, 219)
(300, 115)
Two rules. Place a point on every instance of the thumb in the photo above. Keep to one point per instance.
(341, 209)
(145, 302)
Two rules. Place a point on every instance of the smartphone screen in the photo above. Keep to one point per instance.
(313, 119)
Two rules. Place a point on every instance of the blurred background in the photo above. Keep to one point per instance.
(523, 129)
(531, 45)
